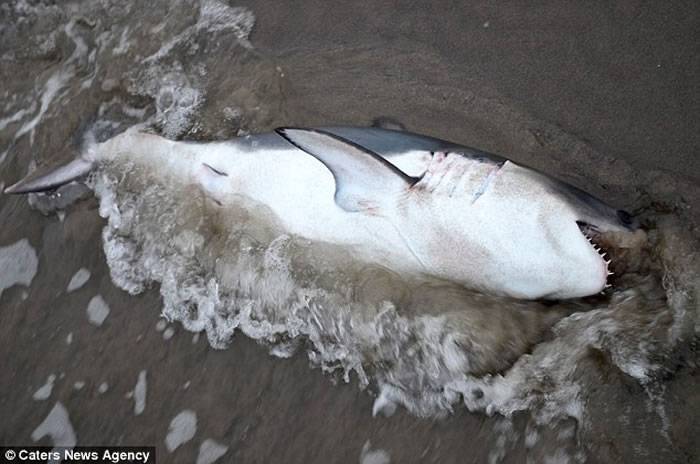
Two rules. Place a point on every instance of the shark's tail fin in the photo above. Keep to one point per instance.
(52, 179)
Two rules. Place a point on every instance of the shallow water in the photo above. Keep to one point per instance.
(430, 347)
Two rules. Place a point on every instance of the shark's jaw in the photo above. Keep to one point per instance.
(620, 250)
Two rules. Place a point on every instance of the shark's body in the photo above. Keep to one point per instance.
(409, 202)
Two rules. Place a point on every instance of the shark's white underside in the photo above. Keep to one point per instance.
(493, 226)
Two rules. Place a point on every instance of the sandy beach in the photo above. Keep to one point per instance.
(605, 97)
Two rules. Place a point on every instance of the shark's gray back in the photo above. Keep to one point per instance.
(384, 142)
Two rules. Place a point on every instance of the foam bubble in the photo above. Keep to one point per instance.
(369, 456)
(140, 394)
(97, 310)
(44, 392)
(19, 264)
(58, 427)
(79, 279)
(214, 16)
(181, 430)
(210, 451)
(168, 333)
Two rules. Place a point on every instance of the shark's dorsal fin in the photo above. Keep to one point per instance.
(363, 179)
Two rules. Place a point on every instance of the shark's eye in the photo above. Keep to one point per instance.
(625, 217)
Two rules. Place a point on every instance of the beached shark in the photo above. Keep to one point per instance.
(412, 203)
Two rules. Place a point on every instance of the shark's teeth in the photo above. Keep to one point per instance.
(604, 255)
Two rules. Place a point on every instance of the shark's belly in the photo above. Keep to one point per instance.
(299, 190)
(514, 239)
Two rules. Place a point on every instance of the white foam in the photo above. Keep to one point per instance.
(532, 436)
(177, 101)
(210, 451)
(369, 456)
(383, 404)
(4, 122)
(53, 86)
(19, 264)
(44, 392)
(124, 44)
(97, 310)
(217, 16)
(506, 437)
(179, 95)
(79, 279)
(214, 16)
(168, 333)
(181, 430)
(58, 427)
(558, 457)
(140, 394)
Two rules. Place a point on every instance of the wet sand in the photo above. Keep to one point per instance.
(616, 76)
(539, 85)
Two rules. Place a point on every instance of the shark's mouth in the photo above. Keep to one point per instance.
(624, 252)
(601, 246)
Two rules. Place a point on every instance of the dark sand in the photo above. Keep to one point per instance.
(621, 77)
(538, 84)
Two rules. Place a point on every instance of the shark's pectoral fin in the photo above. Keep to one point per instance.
(364, 181)
(52, 179)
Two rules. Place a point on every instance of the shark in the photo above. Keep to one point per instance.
(409, 202)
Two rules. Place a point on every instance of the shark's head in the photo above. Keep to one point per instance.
(491, 224)
(613, 233)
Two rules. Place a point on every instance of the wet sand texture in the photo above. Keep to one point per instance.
(604, 97)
